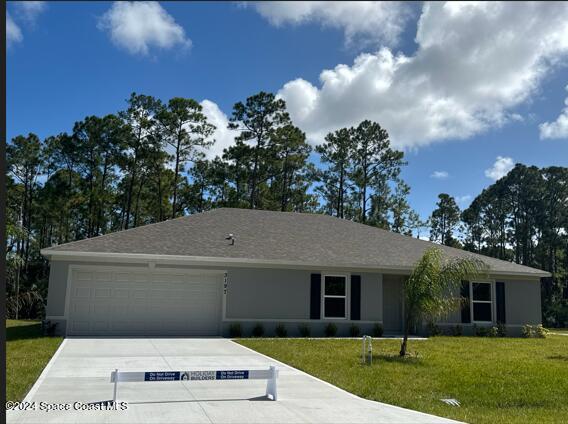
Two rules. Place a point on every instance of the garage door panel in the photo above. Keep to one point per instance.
(128, 302)
(120, 293)
(100, 326)
(82, 292)
(84, 276)
(80, 326)
(103, 293)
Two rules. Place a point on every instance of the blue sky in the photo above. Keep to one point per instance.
(454, 98)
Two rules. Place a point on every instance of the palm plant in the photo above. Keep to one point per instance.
(428, 292)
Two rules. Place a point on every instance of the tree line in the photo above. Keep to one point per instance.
(149, 162)
(522, 218)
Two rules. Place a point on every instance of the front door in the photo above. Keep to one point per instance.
(392, 304)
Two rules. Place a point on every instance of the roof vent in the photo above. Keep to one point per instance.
(231, 238)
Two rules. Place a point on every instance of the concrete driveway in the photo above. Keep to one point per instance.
(80, 372)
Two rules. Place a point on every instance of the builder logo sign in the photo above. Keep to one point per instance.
(199, 375)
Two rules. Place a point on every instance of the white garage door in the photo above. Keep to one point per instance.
(144, 302)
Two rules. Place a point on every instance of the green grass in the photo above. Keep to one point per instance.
(504, 380)
(27, 354)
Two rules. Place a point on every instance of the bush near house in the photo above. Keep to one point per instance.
(258, 330)
(330, 330)
(377, 330)
(235, 330)
(304, 330)
(281, 331)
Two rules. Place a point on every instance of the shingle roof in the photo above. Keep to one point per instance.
(266, 236)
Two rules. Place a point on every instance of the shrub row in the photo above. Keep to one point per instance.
(235, 330)
(499, 330)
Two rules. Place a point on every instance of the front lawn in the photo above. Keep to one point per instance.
(504, 380)
(27, 354)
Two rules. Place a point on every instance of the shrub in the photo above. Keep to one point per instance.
(457, 330)
(258, 330)
(377, 330)
(433, 329)
(540, 332)
(281, 331)
(48, 328)
(528, 331)
(480, 331)
(501, 330)
(354, 330)
(493, 332)
(304, 330)
(536, 331)
(330, 330)
(235, 330)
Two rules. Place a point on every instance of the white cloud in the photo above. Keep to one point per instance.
(440, 175)
(30, 10)
(223, 136)
(475, 63)
(500, 168)
(13, 31)
(26, 12)
(138, 26)
(463, 200)
(363, 22)
(558, 128)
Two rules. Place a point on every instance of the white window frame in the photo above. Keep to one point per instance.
(347, 278)
(492, 301)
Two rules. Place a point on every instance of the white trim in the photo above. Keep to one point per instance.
(491, 302)
(224, 293)
(243, 262)
(346, 297)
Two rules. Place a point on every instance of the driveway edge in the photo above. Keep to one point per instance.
(41, 377)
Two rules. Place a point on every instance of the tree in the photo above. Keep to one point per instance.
(429, 288)
(336, 152)
(404, 219)
(99, 143)
(290, 160)
(25, 160)
(257, 119)
(374, 163)
(139, 117)
(62, 153)
(445, 220)
(184, 127)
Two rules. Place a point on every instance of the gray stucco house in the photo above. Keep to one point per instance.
(185, 277)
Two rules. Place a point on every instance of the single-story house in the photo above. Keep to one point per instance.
(198, 274)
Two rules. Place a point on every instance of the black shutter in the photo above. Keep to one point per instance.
(465, 308)
(315, 296)
(500, 301)
(355, 297)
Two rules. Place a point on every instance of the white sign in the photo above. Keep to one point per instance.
(269, 374)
